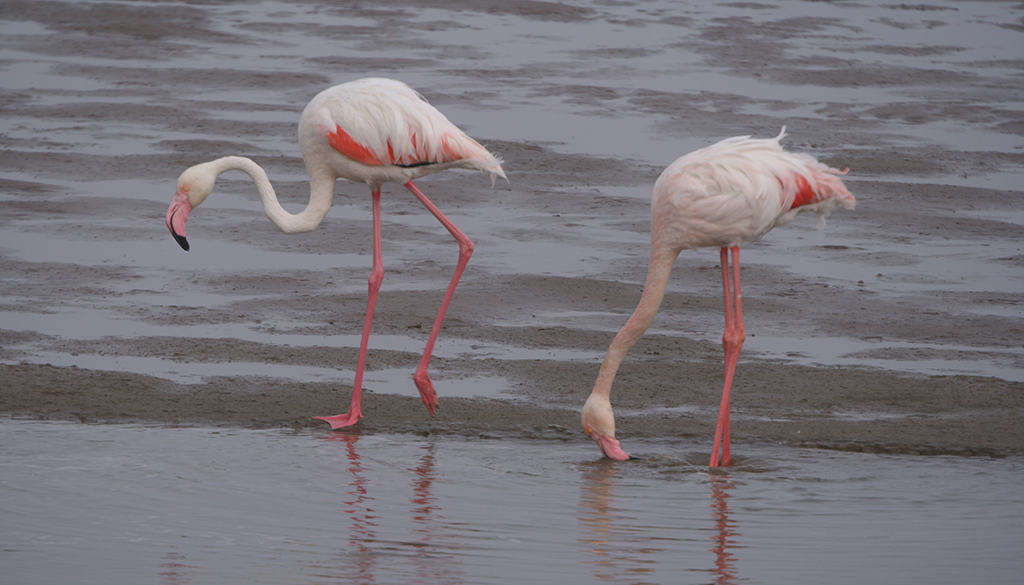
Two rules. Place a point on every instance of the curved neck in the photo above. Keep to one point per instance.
(658, 271)
(321, 192)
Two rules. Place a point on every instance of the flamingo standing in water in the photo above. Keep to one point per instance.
(369, 131)
(732, 192)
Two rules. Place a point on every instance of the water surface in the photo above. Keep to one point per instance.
(154, 504)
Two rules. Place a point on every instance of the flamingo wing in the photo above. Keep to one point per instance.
(738, 189)
(380, 122)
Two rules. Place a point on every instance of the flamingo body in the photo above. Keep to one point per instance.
(371, 131)
(737, 190)
(378, 130)
(720, 196)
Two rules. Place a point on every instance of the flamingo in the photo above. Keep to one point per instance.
(371, 131)
(719, 196)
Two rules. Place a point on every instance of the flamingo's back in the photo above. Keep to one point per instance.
(387, 126)
(738, 189)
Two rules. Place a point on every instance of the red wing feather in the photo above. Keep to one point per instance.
(346, 145)
(804, 193)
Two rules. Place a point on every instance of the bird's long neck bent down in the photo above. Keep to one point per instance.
(321, 193)
(658, 271)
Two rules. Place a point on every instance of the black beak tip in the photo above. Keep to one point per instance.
(181, 241)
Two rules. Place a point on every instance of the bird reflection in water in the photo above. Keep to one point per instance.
(595, 500)
(613, 559)
(431, 567)
(427, 523)
(359, 509)
(724, 538)
(175, 570)
(620, 549)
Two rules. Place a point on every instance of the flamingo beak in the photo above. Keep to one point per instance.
(177, 215)
(609, 446)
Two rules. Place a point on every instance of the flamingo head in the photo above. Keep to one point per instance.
(599, 424)
(194, 185)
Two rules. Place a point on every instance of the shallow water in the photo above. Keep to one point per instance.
(150, 504)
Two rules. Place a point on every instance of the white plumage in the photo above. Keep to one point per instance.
(396, 135)
(369, 131)
(737, 190)
(723, 195)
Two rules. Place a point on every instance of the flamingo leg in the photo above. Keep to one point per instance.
(355, 411)
(732, 341)
(421, 378)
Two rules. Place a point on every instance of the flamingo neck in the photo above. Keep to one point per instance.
(658, 271)
(321, 193)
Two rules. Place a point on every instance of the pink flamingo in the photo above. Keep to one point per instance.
(731, 192)
(369, 131)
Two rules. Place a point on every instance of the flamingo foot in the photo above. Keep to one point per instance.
(610, 447)
(340, 421)
(427, 392)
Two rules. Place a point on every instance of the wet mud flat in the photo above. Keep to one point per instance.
(897, 328)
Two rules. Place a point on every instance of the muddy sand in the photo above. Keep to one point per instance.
(102, 318)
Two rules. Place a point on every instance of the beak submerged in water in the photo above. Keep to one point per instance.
(609, 446)
(177, 216)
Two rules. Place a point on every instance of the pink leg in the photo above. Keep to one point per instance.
(355, 411)
(732, 341)
(421, 378)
